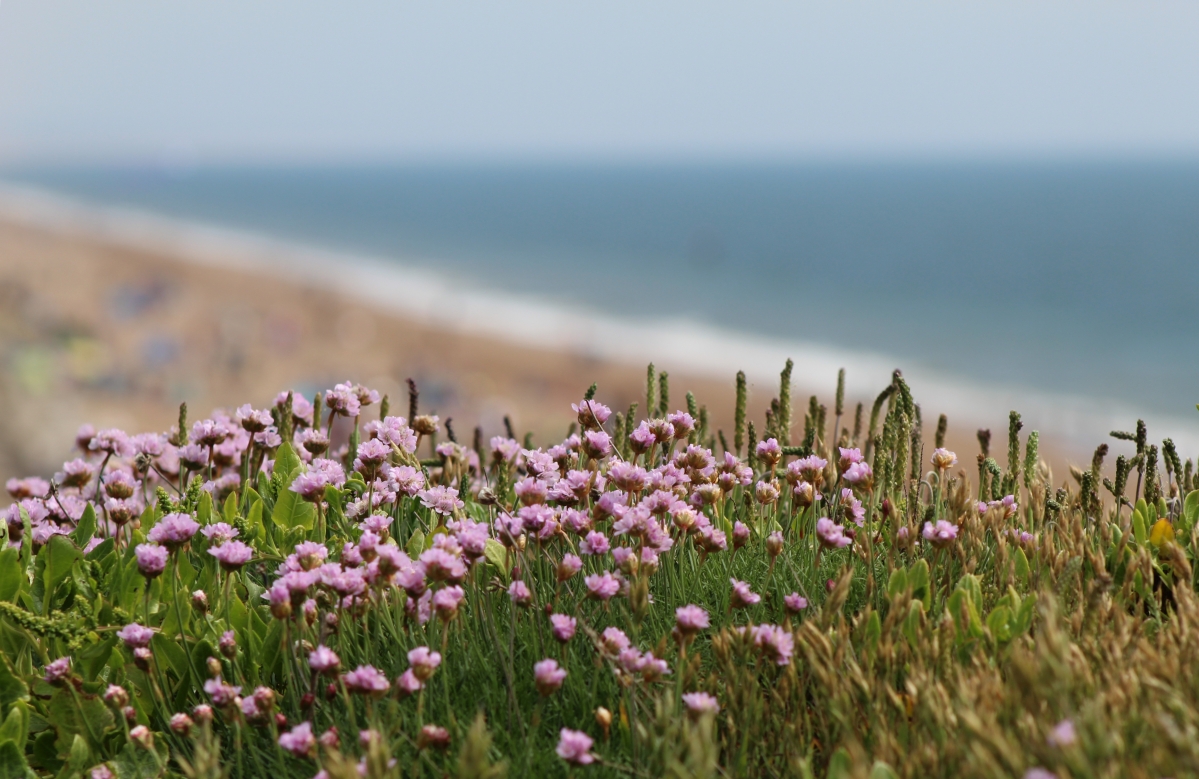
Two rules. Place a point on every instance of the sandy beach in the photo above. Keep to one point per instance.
(117, 326)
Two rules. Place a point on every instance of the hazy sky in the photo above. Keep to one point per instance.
(367, 79)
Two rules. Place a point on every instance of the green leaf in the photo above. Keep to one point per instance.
(12, 575)
(1024, 615)
(898, 583)
(1140, 530)
(272, 649)
(16, 724)
(12, 761)
(493, 550)
(918, 581)
(204, 510)
(913, 623)
(229, 512)
(286, 462)
(60, 554)
(133, 762)
(998, 623)
(292, 511)
(12, 687)
(168, 652)
(416, 544)
(881, 770)
(874, 631)
(969, 584)
(79, 755)
(1022, 569)
(840, 766)
(336, 514)
(86, 528)
(255, 519)
(1190, 514)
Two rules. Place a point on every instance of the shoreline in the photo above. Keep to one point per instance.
(700, 351)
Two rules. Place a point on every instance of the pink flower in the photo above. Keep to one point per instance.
(58, 670)
(940, 535)
(691, 619)
(775, 642)
(151, 559)
(770, 452)
(232, 555)
(563, 627)
(742, 596)
(219, 532)
(699, 703)
(859, 474)
(443, 500)
(548, 676)
(682, 422)
(324, 660)
(569, 566)
(366, 679)
(943, 459)
(602, 586)
(574, 747)
(795, 602)
(614, 640)
(299, 740)
(831, 535)
(518, 591)
(596, 543)
(1062, 735)
(221, 692)
(592, 414)
(424, 662)
(447, 600)
(628, 477)
(440, 565)
(408, 684)
(740, 535)
(173, 531)
(134, 635)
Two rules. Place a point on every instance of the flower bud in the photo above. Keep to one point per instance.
(181, 724)
(330, 739)
(141, 657)
(603, 718)
(200, 602)
(433, 736)
(130, 714)
(214, 667)
(228, 644)
(142, 736)
(116, 696)
(202, 713)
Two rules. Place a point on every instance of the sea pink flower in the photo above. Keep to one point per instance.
(682, 422)
(859, 474)
(441, 499)
(596, 543)
(742, 596)
(614, 640)
(519, 592)
(766, 493)
(299, 740)
(134, 635)
(852, 508)
(831, 535)
(151, 559)
(592, 414)
(691, 619)
(699, 703)
(740, 535)
(408, 684)
(602, 586)
(440, 565)
(563, 627)
(222, 693)
(769, 452)
(775, 642)
(940, 535)
(597, 444)
(58, 670)
(367, 680)
(219, 532)
(424, 662)
(232, 555)
(943, 459)
(1062, 735)
(111, 441)
(447, 600)
(795, 602)
(173, 531)
(323, 660)
(570, 565)
(574, 747)
(548, 676)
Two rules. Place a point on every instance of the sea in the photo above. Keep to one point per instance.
(1070, 284)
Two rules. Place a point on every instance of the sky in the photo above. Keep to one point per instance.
(232, 81)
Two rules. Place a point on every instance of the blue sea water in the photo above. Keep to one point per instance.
(1072, 277)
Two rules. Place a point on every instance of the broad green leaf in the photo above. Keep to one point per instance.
(1024, 615)
(12, 687)
(86, 528)
(71, 719)
(60, 554)
(12, 576)
(1022, 569)
(79, 755)
(336, 513)
(881, 770)
(286, 462)
(292, 511)
(898, 583)
(913, 622)
(272, 649)
(918, 581)
(204, 510)
(840, 766)
(229, 512)
(1190, 507)
(12, 761)
(16, 725)
(874, 631)
(416, 544)
(1139, 529)
(998, 623)
(970, 585)
(133, 762)
(168, 652)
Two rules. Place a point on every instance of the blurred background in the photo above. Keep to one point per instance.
(213, 202)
